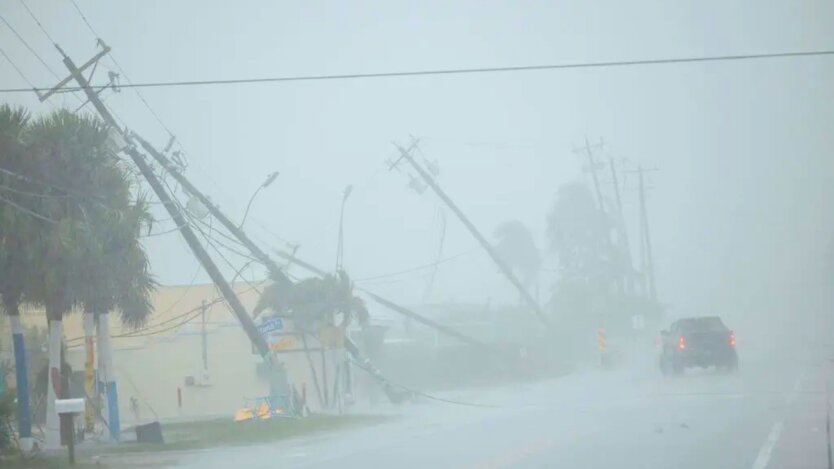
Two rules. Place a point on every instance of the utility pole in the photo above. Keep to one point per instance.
(271, 265)
(502, 266)
(625, 245)
(647, 240)
(616, 185)
(592, 167)
(174, 211)
(233, 227)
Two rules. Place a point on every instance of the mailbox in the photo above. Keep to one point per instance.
(69, 406)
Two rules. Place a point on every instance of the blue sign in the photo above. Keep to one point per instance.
(271, 325)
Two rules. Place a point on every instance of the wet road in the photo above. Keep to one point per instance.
(769, 415)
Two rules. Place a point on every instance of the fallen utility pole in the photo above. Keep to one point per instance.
(505, 269)
(173, 210)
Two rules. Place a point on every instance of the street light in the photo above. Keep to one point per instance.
(269, 180)
(340, 244)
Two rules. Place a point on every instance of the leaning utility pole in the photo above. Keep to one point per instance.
(592, 167)
(647, 240)
(625, 245)
(233, 227)
(173, 210)
(505, 269)
(276, 271)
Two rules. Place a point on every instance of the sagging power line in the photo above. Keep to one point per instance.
(458, 71)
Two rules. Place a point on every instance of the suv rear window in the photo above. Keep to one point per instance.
(702, 324)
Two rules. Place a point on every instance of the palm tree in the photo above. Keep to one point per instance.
(95, 229)
(16, 228)
(318, 306)
(116, 276)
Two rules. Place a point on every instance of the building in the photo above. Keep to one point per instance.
(163, 373)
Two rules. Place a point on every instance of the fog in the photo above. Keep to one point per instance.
(740, 152)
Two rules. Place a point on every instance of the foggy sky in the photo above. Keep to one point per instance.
(740, 207)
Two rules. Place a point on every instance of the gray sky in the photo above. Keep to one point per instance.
(740, 207)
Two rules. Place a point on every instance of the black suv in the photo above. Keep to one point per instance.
(703, 342)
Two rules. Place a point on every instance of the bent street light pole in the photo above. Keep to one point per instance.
(213, 209)
(173, 210)
(531, 302)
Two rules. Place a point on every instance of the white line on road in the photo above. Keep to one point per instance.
(763, 458)
(764, 454)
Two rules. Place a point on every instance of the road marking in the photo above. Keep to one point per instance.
(763, 458)
(764, 454)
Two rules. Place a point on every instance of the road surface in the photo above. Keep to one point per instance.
(769, 415)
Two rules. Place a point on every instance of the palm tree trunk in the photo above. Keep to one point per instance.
(108, 376)
(24, 412)
(90, 371)
(324, 375)
(53, 388)
(312, 368)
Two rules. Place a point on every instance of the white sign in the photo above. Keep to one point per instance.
(638, 322)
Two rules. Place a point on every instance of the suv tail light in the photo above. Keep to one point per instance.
(733, 339)
(681, 342)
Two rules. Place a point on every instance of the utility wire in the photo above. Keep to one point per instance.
(122, 71)
(153, 235)
(462, 71)
(143, 332)
(416, 269)
(33, 194)
(32, 50)
(26, 210)
(45, 32)
(23, 75)
(49, 185)
(17, 69)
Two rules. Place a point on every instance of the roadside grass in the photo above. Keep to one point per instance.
(216, 433)
(190, 436)
(44, 462)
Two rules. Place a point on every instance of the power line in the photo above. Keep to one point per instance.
(121, 70)
(17, 69)
(32, 194)
(459, 71)
(32, 50)
(89, 26)
(22, 75)
(26, 210)
(38, 22)
(49, 185)
(416, 269)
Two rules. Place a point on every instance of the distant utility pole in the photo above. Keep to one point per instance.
(502, 266)
(648, 261)
(625, 245)
(592, 167)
